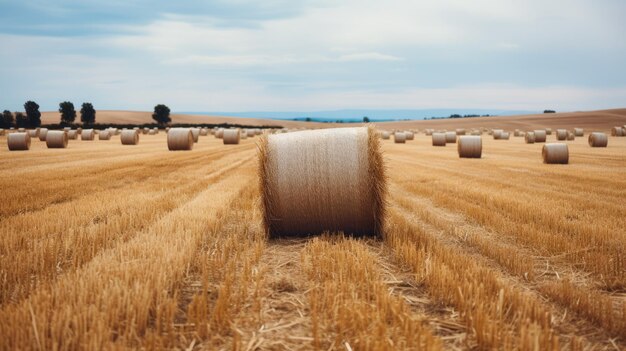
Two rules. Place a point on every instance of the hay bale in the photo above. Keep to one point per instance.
(43, 132)
(571, 136)
(219, 133)
(504, 136)
(385, 135)
(555, 153)
(470, 146)
(79, 130)
(72, 134)
(18, 141)
(257, 131)
(307, 187)
(598, 139)
(439, 139)
(561, 134)
(579, 132)
(530, 137)
(57, 139)
(180, 139)
(2, 132)
(21, 130)
(104, 135)
(231, 137)
(129, 137)
(429, 132)
(540, 135)
(399, 137)
(451, 137)
(250, 132)
(195, 133)
(460, 131)
(517, 133)
(243, 134)
(617, 131)
(496, 133)
(152, 132)
(204, 132)
(33, 133)
(409, 135)
(145, 130)
(548, 131)
(87, 134)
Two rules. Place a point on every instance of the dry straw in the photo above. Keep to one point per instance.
(243, 134)
(561, 134)
(598, 139)
(409, 135)
(18, 141)
(250, 132)
(204, 132)
(451, 137)
(129, 137)
(385, 135)
(104, 135)
(571, 135)
(399, 137)
(617, 131)
(555, 153)
(530, 138)
(57, 139)
(470, 146)
(87, 134)
(145, 130)
(72, 134)
(195, 133)
(540, 136)
(152, 132)
(548, 131)
(219, 133)
(21, 130)
(439, 139)
(504, 136)
(460, 131)
(43, 132)
(579, 132)
(33, 133)
(179, 139)
(496, 133)
(428, 131)
(307, 187)
(231, 136)
(79, 130)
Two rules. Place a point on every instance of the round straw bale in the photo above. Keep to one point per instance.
(476, 132)
(451, 137)
(517, 133)
(87, 134)
(385, 135)
(561, 134)
(129, 137)
(72, 134)
(243, 134)
(21, 130)
(579, 132)
(257, 131)
(617, 131)
(530, 137)
(470, 146)
(33, 133)
(145, 130)
(104, 135)
(204, 131)
(496, 133)
(571, 136)
(219, 133)
(179, 139)
(18, 141)
(598, 139)
(79, 130)
(399, 137)
(409, 135)
(43, 132)
(195, 132)
(460, 131)
(439, 139)
(540, 136)
(548, 131)
(156, 130)
(67, 129)
(250, 132)
(307, 187)
(56, 139)
(151, 132)
(555, 153)
(504, 136)
(231, 136)
(428, 132)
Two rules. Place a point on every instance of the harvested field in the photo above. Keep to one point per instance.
(104, 246)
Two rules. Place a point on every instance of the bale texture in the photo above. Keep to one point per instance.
(460, 131)
(470, 146)
(179, 139)
(18, 141)
(548, 131)
(104, 135)
(451, 137)
(439, 139)
(555, 153)
(504, 136)
(561, 134)
(243, 134)
(219, 133)
(598, 139)
(496, 133)
(129, 137)
(617, 131)
(409, 135)
(307, 187)
(43, 132)
(231, 136)
(385, 135)
(33, 133)
(540, 136)
(571, 136)
(87, 134)
(399, 137)
(530, 138)
(56, 139)
(152, 132)
(250, 132)
(72, 134)
(204, 132)
(579, 132)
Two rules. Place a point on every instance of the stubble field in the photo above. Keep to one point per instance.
(111, 246)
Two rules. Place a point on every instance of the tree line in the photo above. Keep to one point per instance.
(31, 117)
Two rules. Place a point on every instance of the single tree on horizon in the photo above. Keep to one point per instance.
(68, 113)
(161, 114)
(33, 114)
(87, 114)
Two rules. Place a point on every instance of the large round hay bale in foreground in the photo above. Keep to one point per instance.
(129, 137)
(231, 137)
(470, 146)
(439, 139)
(307, 187)
(399, 137)
(57, 139)
(579, 132)
(598, 139)
(555, 153)
(43, 132)
(561, 134)
(179, 139)
(87, 134)
(451, 137)
(530, 137)
(18, 141)
(540, 136)
(104, 135)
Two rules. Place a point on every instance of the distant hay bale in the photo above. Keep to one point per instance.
(145, 130)
(243, 134)
(439, 139)
(156, 130)
(33, 133)
(530, 137)
(548, 131)
(308, 188)
(399, 137)
(129, 137)
(152, 132)
(579, 132)
(87, 134)
(460, 131)
(43, 132)
(571, 136)
(104, 135)
(476, 132)
(561, 134)
(57, 139)
(451, 137)
(470, 146)
(250, 132)
(219, 133)
(555, 153)
(428, 132)
(540, 135)
(385, 135)
(21, 130)
(18, 141)
(257, 131)
(617, 131)
(72, 134)
(496, 133)
(79, 130)
(195, 132)
(598, 139)
(204, 131)
(180, 139)
(231, 136)
(67, 129)
(409, 135)
(504, 136)
(517, 133)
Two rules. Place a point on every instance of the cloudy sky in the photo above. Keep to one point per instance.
(284, 55)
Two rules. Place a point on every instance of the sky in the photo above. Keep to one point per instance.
(290, 55)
